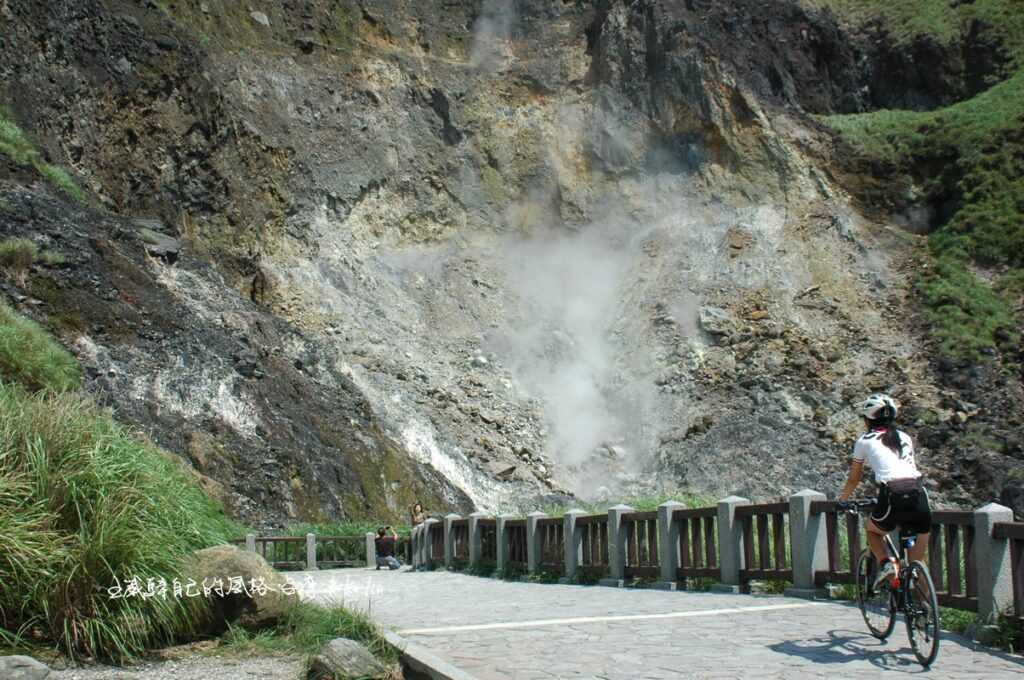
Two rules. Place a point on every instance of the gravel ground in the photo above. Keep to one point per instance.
(195, 668)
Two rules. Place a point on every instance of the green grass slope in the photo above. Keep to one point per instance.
(84, 505)
(972, 150)
(15, 145)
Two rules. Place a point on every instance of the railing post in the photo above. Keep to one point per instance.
(250, 542)
(371, 549)
(428, 543)
(992, 559)
(311, 552)
(449, 540)
(533, 538)
(475, 541)
(616, 547)
(809, 543)
(573, 544)
(501, 536)
(730, 545)
(668, 537)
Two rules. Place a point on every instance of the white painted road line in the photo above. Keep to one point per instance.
(603, 619)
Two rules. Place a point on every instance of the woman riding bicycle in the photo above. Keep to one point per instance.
(902, 499)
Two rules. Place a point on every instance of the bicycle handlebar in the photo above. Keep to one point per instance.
(856, 505)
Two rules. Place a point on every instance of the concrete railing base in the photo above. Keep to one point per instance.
(806, 593)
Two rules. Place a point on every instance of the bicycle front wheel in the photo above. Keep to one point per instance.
(877, 606)
(922, 614)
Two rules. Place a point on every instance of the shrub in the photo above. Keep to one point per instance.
(16, 256)
(28, 355)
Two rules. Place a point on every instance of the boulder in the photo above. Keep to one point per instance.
(260, 18)
(254, 607)
(160, 245)
(343, 659)
(22, 668)
(716, 321)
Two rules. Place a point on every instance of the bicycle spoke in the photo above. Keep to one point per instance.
(923, 615)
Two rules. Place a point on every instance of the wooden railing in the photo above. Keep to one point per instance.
(842, 546)
(698, 542)
(641, 530)
(950, 559)
(804, 543)
(1014, 533)
(765, 551)
(342, 551)
(436, 541)
(488, 540)
(460, 539)
(552, 544)
(594, 540)
(516, 530)
(283, 552)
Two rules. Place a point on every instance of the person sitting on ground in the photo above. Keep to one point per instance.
(385, 546)
(902, 498)
(417, 514)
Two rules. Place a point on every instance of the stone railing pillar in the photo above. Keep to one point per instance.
(809, 544)
(427, 554)
(449, 540)
(992, 557)
(501, 536)
(616, 547)
(371, 549)
(730, 545)
(475, 543)
(533, 541)
(311, 552)
(250, 542)
(573, 545)
(668, 537)
(414, 544)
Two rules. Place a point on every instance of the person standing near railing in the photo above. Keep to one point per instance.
(902, 498)
(417, 515)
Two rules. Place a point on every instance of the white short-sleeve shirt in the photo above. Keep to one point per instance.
(883, 461)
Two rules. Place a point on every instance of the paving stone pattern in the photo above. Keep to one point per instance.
(764, 641)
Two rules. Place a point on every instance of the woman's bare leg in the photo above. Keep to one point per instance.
(876, 541)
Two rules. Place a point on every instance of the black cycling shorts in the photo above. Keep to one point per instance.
(906, 508)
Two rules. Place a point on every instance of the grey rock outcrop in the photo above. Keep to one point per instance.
(344, 659)
(254, 607)
(22, 668)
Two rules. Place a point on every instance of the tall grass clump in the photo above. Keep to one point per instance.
(16, 256)
(84, 507)
(101, 508)
(29, 356)
(16, 145)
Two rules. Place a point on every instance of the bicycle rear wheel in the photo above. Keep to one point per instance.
(878, 607)
(922, 614)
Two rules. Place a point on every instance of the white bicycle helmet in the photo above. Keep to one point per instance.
(878, 406)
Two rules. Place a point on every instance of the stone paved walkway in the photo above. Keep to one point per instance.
(522, 631)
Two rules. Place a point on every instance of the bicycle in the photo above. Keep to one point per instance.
(903, 593)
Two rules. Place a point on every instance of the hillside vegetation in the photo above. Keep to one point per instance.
(84, 504)
(970, 154)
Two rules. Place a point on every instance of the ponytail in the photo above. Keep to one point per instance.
(891, 436)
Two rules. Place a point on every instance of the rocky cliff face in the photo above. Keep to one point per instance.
(476, 252)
